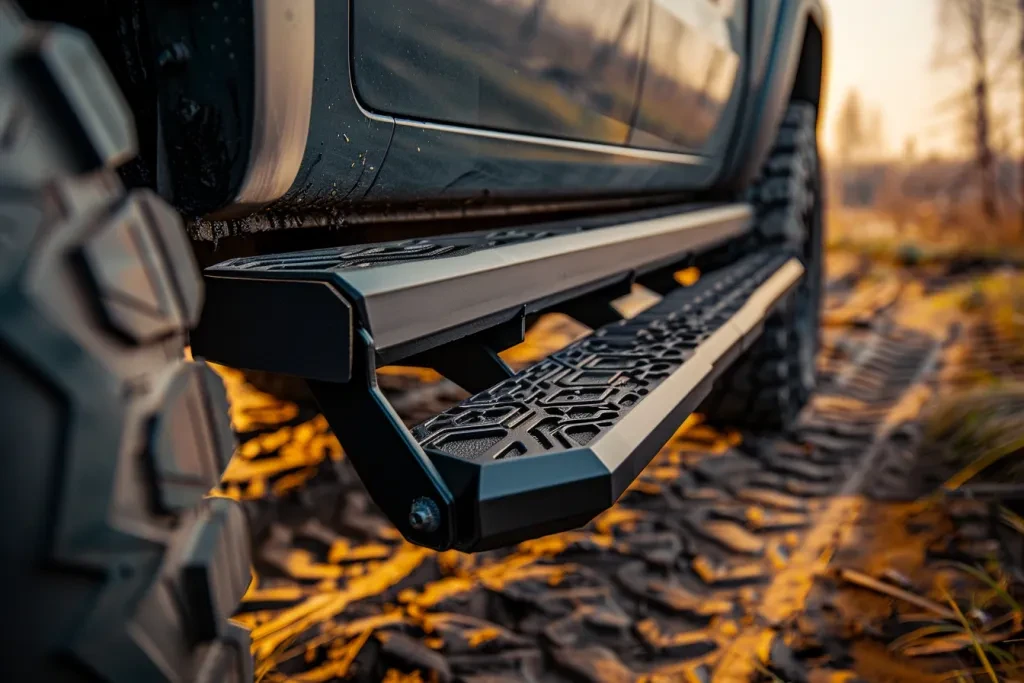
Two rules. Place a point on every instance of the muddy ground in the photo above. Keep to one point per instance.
(820, 554)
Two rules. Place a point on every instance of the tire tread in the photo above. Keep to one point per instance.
(125, 570)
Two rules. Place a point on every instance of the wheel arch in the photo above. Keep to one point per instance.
(793, 67)
(809, 82)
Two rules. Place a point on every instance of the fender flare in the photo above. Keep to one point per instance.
(788, 58)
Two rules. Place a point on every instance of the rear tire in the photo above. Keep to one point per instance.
(117, 566)
(766, 388)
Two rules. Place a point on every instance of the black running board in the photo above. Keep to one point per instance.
(296, 313)
(531, 453)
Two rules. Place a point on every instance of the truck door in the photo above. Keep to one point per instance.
(553, 68)
(692, 75)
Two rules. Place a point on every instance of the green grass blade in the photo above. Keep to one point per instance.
(984, 577)
(979, 650)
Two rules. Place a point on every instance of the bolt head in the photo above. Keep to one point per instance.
(424, 515)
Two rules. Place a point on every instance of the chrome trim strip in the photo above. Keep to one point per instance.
(577, 145)
(284, 55)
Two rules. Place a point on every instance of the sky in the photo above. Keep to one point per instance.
(886, 50)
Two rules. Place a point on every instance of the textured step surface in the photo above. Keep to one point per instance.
(557, 443)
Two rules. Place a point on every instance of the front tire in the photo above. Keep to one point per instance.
(116, 565)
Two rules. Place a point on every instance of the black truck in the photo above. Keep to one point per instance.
(313, 189)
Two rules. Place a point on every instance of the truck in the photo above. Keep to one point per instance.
(311, 190)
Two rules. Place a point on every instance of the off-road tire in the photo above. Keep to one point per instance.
(116, 566)
(766, 389)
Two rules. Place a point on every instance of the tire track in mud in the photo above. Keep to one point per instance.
(690, 577)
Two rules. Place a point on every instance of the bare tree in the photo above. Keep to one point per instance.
(971, 33)
(849, 127)
(874, 132)
(1020, 64)
(910, 150)
(859, 129)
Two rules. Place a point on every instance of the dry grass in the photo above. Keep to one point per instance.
(984, 621)
(978, 429)
(976, 432)
(918, 234)
(980, 434)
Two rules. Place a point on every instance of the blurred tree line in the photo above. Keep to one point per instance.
(981, 46)
(982, 41)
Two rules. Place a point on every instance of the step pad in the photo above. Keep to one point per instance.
(560, 441)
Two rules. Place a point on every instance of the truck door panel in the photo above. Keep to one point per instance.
(555, 68)
(692, 74)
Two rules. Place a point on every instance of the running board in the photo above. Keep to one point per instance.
(551, 447)
(554, 445)
(298, 313)
(530, 453)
